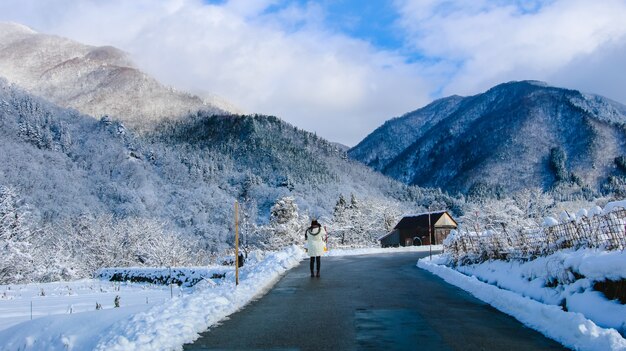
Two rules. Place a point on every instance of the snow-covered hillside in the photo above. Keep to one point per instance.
(94, 80)
(516, 135)
(79, 185)
(394, 136)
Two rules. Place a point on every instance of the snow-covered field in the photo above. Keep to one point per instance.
(149, 318)
(163, 323)
(65, 298)
(522, 289)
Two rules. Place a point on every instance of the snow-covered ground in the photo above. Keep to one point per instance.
(149, 318)
(378, 250)
(65, 298)
(163, 323)
(521, 289)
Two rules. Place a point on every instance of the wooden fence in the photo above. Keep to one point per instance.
(607, 231)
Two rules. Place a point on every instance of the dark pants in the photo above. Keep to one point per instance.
(319, 261)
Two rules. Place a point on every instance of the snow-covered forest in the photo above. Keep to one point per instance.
(80, 193)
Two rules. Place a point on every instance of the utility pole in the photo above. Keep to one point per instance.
(236, 243)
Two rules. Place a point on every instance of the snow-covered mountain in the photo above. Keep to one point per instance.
(94, 80)
(515, 135)
(96, 157)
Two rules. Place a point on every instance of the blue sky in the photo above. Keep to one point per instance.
(372, 21)
(341, 68)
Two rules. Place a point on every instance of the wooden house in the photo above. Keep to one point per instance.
(414, 230)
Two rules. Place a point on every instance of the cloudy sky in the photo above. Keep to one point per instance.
(341, 68)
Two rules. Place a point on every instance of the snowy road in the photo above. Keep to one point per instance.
(374, 302)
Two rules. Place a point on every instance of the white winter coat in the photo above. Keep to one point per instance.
(315, 241)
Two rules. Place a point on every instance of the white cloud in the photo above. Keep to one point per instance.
(603, 72)
(281, 60)
(283, 63)
(488, 42)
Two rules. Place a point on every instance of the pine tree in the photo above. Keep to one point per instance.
(341, 220)
(286, 225)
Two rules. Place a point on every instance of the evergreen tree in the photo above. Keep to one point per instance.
(286, 225)
(341, 222)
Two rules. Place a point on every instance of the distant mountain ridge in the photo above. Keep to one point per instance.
(505, 137)
(93, 80)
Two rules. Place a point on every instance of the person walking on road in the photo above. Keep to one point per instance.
(315, 236)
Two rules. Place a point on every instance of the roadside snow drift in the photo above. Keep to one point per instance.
(165, 326)
(519, 289)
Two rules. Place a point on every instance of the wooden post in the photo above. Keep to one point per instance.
(430, 238)
(236, 243)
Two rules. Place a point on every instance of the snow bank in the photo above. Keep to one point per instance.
(550, 221)
(597, 265)
(163, 327)
(75, 297)
(565, 216)
(593, 211)
(572, 329)
(186, 276)
(565, 278)
(611, 206)
(78, 331)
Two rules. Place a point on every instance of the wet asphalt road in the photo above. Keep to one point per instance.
(374, 302)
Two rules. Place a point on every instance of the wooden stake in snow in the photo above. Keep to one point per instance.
(171, 288)
(430, 238)
(236, 243)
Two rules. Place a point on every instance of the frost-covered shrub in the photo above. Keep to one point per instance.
(286, 225)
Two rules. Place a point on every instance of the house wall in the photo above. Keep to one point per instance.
(445, 221)
(441, 234)
(405, 237)
(438, 234)
(421, 233)
(391, 240)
